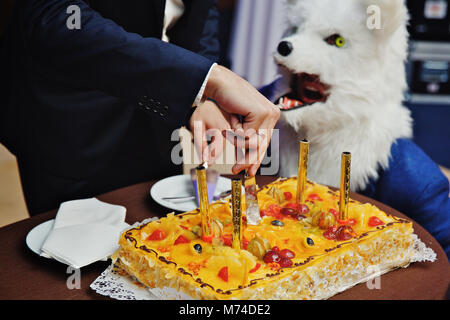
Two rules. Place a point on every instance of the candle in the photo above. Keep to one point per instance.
(345, 185)
(202, 190)
(212, 176)
(236, 185)
(302, 170)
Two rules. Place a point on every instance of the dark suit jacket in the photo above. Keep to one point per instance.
(93, 110)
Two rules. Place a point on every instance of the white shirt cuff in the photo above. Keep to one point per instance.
(200, 99)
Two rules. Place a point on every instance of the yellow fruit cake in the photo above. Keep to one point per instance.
(296, 252)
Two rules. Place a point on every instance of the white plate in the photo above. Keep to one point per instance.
(179, 186)
(37, 235)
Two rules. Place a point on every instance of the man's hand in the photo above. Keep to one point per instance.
(209, 117)
(236, 97)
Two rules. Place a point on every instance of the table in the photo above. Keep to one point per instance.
(24, 275)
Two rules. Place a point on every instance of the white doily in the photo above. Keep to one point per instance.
(421, 252)
(114, 284)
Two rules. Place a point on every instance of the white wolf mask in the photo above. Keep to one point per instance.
(350, 80)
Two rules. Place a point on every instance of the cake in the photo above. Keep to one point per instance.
(296, 252)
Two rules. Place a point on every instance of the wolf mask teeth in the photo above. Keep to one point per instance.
(289, 104)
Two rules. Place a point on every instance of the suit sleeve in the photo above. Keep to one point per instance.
(432, 208)
(101, 55)
(415, 185)
(209, 45)
(198, 29)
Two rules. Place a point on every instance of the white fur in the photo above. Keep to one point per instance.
(364, 113)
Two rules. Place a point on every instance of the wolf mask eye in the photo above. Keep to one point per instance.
(293, 30)
(336, 40)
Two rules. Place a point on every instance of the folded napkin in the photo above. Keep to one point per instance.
(84, 231)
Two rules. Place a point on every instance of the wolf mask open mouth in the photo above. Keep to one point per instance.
(306, 89)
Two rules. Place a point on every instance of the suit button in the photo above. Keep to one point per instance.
(142, 101)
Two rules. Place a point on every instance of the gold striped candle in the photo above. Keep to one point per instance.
(203, 200)
(236, 185)
(345, 185)
(302, 170)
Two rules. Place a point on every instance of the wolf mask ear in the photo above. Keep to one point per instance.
(293, 3)
(385, 17)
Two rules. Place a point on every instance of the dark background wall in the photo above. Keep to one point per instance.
(429, 78)
(5, 12)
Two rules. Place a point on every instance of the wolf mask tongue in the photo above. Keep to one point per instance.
(306, 89)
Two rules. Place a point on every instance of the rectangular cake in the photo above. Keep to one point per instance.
(296, 252)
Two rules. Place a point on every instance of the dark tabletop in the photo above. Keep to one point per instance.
(25, 275)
